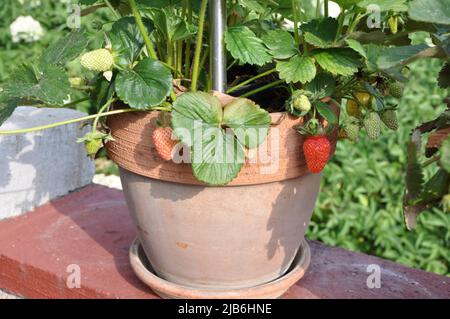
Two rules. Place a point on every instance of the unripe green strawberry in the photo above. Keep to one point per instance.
(302, 103)
(393, 24)
(93, 142)
(92, 147)
(100, 60)
(446, 203)
(395, 89)
(76, 81)
(372, 124)
(389, 118)
(352, 131)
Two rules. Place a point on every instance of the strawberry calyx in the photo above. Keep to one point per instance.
(94, 141)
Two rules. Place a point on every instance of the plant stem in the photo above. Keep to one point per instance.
(108, 4)
(262, 88)
(48, 126)
(187, 57)
(75, 102)
(67, 105)
(202, 65)
(326, 8)
(180, 57)
(173, 96)
(169, 55)
(354, 23)
(88, 10)
(294, 10)
(198, 48)
(231, 65)
(204, 58)
(100, 112)
(317, 9)
(341, 21)
(148, 42)
(431, 161)
(251, 80)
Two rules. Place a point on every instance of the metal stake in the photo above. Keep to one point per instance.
(218, 63)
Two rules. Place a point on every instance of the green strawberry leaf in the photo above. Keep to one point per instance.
(373, 51)
(284, 7)
(87, 2)
(195, 111)
(104, 90)
(7, 107)
(414, 181)
(253, 5)
(126, 40)
(436, 187)
(434, 11)
(216, 135)
(249, 122)
(347, 3)
(414, 172)
(143, 4)
(391, 57)
(245, 46)
(338, 61)
(322, 86)
(65, 49)
(357, 46)
(297, 69)
(281, 44)
(321, 33)
(385, 5)
(145, 86)
(327, 113)
(45, 82)
(196, 121)
(444, 77)
(445, 154)
(219, 158)
(171, 26)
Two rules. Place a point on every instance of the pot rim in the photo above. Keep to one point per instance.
(133, 150)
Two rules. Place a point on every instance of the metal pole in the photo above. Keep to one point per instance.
(218, 61)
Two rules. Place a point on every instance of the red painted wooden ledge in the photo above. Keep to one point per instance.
(91, 228)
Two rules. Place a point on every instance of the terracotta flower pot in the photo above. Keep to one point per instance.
(241, 235)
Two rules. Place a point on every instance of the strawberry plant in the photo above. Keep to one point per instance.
(284, 55)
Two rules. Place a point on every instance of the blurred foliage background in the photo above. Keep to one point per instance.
(360, 205)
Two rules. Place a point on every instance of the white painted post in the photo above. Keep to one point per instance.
(39, 166)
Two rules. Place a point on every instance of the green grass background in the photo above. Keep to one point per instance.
(360, 205)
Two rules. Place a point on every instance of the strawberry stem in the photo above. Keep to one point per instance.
(251, 80)
(108, 4)
(80, 119)
(100, 111)
(148, 42)
(199, 42)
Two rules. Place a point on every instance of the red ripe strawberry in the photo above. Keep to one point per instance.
(162, 138)
(317, 152)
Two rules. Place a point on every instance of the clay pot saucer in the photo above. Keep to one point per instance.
(168, 290)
